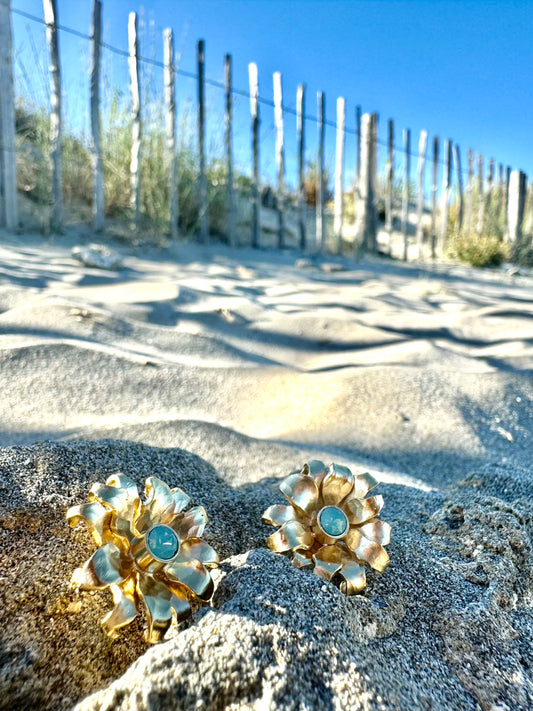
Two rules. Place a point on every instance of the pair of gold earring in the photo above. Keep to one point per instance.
(153, 551)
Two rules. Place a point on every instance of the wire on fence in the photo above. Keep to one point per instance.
(217, 84)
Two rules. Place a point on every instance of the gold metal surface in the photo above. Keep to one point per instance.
(340, 558)
(119, 521)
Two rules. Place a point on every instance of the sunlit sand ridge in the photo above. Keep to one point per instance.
(397, 365)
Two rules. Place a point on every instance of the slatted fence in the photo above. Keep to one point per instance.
(385, 214)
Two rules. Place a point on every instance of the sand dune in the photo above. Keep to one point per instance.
(406, 366)
(257, 361)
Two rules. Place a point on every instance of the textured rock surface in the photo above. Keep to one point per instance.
(447, 625)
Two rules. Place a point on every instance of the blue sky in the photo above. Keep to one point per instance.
(460, 70)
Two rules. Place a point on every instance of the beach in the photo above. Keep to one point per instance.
(254, 362)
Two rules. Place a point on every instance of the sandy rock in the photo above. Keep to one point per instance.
(99, 256)
(332, 267)
(305, 263)
(447, 625)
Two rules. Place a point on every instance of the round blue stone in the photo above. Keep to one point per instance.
(333, 521)
(162, 542)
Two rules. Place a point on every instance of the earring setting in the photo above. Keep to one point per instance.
(331, 524)
(151, 551)
(148, 551)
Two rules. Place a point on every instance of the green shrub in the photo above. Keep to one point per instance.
(35, 170)
(34, 174)
(523, 255)
(479, 250)
(116, 149)
(76, 170)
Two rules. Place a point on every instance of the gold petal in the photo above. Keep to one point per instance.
(363, 484)
(315, 469)
(190, 524)
(95, 515)
(115, 498)
(109, 495)
(361, 510)
(328, 561)
(374, 554)
(159, 505)
(354, 578)
(156, 596)
(300, 491)
(302, 559)
(353, 538)
(377, 531)
(196, 549)
(279, 514)
(292, 535)
(193, 575)
(179, 601)
(123, 504)
(104, 568)
(336, 485)
(121, 481)
(180, 499)
(126, 606)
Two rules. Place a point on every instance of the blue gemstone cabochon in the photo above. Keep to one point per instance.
(333, 521)
(162, 542)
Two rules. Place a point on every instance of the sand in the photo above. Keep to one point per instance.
(399, 364)
(256, 361)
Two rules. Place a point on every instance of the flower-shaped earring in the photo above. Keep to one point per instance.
(331, 524)
(149, 551)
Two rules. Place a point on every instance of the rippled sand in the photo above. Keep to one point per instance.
(417, 371)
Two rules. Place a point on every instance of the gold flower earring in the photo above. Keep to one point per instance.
(330, 524)
(148, 551)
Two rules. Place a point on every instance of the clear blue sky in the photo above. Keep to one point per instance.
(461, 70)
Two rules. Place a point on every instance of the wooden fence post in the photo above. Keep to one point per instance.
(135, 165)
(366, 208)
(505, 201)
(357, 150)
(339, 174)
(469, 191)
(422, 146)
(515, 209)
(490, 185)
(499, 198)
(97, 161)
(50, 17)
(405, 191)
(280, 153)
(480, 197)
(374, 145)
(300, 129)
(230, 197)
(202, 182)
(445, 196)
(8, 162)
(506, 195)
(390, 181)
(372, 244)
(434, 188)
(254, 110)
(458, 170)
(527, 222)
(321, 123)
(490, 219)
(170, 107)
